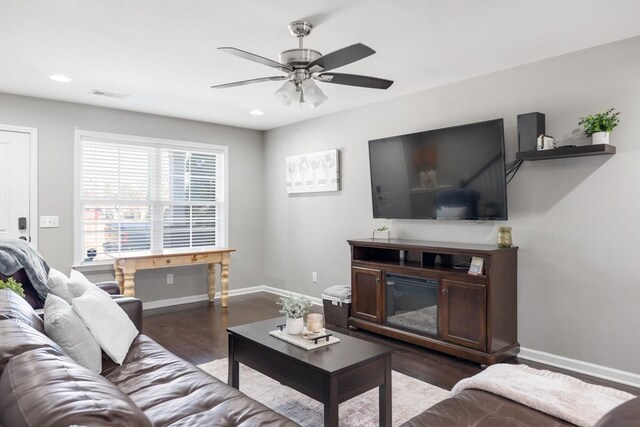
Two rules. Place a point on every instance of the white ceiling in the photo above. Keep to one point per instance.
(163, 52)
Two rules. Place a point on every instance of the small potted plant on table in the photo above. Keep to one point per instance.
(294, 308)
(599, 126)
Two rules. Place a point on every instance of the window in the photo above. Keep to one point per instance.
(136, 193)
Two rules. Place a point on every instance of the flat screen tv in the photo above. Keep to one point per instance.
(451, 173)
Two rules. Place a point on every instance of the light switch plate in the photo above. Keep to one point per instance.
(49, 222)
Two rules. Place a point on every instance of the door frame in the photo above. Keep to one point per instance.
(33, 177)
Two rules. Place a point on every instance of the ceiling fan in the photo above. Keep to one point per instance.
(302, 66)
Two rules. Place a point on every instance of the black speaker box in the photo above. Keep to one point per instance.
(530, 126)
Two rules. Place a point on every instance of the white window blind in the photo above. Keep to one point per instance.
(188, 203)
(140, 195)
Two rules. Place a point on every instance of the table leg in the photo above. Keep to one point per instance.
(119, 277)
(385, 396)
(224, 282)
(233, 378)
(331, 405)
(211, 281)
(129, 284)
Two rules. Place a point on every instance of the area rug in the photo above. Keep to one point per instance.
(409, 398)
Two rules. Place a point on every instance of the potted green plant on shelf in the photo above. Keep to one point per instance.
(12, 285)
(599, 126)
(294, 308)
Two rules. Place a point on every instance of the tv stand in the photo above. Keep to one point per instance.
(472, 316)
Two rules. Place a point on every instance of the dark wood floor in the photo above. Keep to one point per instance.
(197, 333)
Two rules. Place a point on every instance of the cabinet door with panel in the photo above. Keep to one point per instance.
(366, 289)
(463, 313)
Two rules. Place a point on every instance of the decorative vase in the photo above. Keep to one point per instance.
(295, 326)
(504, 237)
(600, 138)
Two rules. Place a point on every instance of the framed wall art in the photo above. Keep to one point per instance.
(314, 172)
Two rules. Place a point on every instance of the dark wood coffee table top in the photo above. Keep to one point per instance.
(331, 359)
(331, 374)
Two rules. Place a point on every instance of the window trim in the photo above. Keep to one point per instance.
(80, 134)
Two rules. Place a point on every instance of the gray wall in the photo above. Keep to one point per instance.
(56, 122)
(573, 219)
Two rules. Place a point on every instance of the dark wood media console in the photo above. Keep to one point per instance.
(476, 315)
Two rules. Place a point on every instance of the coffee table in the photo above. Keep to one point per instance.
(330, 374)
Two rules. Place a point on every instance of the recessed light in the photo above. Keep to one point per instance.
(256, 112)
(59, 78)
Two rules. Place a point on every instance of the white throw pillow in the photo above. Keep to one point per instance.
(58, 285)
(78, 284)
(64, 327)
(107, 322)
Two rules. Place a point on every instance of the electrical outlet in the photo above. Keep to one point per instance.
(169, 279)
(314, 277)
(49, 222)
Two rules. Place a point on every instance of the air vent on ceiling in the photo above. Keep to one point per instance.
(107, 94)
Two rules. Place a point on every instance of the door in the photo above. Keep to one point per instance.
(366, 294)
(15, 185)
(463, 314)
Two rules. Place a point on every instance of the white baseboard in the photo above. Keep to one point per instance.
(574, 365)
(243, 291)
(174, 301)
(233, 292)
(282, 292)
(196, 298)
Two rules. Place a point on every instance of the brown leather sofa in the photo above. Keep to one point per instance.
(480, 408)
(41, 386)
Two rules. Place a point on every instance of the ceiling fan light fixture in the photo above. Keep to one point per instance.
(312, 93)
(286, 93)
(301, 65)
(321, 99)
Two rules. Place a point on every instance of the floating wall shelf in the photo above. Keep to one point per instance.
(564, 152)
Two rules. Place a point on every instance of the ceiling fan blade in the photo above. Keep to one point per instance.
(248, 82)
(256, 58)
(340, 57)
(355, 80)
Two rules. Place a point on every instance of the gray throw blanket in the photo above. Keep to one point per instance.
(16, 254)
(338, 293)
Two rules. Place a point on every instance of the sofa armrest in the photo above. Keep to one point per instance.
(133, 308)
(111, 287)
(625, 415)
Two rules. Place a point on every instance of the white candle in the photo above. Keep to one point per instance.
(315, 322)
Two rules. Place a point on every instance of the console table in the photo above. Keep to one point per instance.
(125, 265)
(421, 292)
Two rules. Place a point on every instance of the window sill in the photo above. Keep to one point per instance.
(94, 266)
